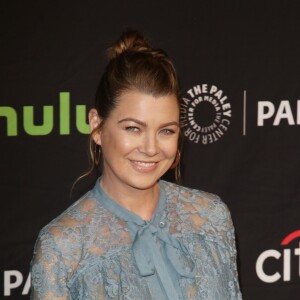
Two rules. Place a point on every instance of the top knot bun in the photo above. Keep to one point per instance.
(129, 40)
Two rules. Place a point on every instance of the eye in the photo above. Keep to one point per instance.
(167, 131)
(132, 129)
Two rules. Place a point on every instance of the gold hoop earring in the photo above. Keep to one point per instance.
(97, 154)
(176, 160)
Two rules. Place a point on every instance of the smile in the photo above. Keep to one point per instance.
(144, 166)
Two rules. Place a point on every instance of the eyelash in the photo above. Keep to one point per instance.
(167, 131)
(132, 129)
(137, 130)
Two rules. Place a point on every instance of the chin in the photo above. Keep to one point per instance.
(143, 183)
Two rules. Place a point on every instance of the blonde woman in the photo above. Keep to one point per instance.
(135, 236)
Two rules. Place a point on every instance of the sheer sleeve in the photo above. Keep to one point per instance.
(229, 233)
(222, 225)
(203, 221)
(48, 272)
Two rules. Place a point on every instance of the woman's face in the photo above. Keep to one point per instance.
(139, 140)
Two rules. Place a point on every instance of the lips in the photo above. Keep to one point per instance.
(143, 165)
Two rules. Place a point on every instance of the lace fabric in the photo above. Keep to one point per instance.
(97, 249)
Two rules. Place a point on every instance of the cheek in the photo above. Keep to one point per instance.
(170, 149)
(126, 145)
(117, 143)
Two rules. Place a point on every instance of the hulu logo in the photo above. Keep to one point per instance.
(48, 115)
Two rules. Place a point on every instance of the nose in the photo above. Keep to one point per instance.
(149, 145)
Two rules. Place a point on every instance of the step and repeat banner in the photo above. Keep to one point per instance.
(239, 67)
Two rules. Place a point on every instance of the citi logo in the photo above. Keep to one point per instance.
(63, 111)
(287, 257)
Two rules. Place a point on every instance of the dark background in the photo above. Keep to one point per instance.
(48, 47)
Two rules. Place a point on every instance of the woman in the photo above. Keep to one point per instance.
(134, 236)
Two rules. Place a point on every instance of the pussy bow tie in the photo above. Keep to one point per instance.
(145, 248)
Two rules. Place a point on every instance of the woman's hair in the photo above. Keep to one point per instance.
(133, 65)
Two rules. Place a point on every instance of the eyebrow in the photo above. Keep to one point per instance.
(145, 124)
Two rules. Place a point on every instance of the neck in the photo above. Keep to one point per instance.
(142, 202)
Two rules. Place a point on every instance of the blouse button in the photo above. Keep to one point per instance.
(162, 224)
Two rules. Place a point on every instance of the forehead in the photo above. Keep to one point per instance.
(141, 105)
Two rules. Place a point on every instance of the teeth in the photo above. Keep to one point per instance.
(144, 164)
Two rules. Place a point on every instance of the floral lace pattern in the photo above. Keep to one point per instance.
(87, 252)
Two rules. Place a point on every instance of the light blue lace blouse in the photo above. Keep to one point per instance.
(97, 249)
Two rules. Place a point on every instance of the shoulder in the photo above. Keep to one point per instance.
(67, 237)
(198, 198)
(188, 193)
(69, 226)
(59, 247)
(78, 214)
(207, 205)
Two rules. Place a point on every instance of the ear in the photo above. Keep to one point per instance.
(94, 121)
